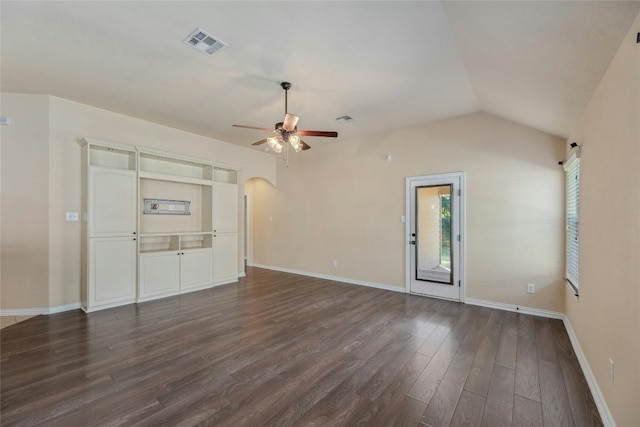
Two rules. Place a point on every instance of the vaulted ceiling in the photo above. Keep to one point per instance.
(387, 64)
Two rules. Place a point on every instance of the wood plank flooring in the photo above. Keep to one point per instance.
(279, 349)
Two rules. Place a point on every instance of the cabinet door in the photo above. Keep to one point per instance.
(159, 273)
(112, 202)
(112, 271)
(225, 207)
(225, 257)
(196, 268)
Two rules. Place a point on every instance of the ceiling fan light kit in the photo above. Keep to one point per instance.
(287, 133)
(275, 143)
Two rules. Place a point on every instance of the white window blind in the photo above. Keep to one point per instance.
(572, 172)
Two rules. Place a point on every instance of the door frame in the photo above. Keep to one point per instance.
(461, 221)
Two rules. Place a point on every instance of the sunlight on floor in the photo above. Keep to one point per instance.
(12, 320)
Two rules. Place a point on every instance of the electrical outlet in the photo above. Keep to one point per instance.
(611, 370)
(531, 288)
(335, 263)
(72, 216)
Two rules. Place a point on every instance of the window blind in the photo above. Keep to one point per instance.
(572, 173)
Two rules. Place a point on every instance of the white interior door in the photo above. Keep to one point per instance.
(435, 237)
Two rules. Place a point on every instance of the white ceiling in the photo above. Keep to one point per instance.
(387, 64)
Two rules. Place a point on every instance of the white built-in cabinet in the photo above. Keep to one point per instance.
(225, 218)
(224, 245)
(112, 202)
(112, 268)
(109, 244)
(173, 263)
(140, 241)
(225, 224)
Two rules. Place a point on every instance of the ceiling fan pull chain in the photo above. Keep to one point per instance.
(286, 154)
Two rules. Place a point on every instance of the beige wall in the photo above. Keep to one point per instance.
(42, 147)
(344, 201)
(606, 318)
(24, 212)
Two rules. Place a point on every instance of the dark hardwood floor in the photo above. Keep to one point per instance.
(279, 349)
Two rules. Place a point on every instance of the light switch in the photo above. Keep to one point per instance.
(72, 216)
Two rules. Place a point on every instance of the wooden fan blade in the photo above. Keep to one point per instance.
(318, 133)
(253, 127)
(305, 146)
(290, 122)
(262, 141)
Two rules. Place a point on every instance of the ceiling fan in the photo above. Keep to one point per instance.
(287, 131)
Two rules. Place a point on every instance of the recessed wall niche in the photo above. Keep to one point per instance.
(194, 193)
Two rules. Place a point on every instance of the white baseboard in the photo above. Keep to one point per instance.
(155, 297)
(63, 308)
(603, 409)
(334, 278)
(38, 311)
(515, 308)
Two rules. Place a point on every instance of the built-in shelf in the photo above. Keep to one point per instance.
(158, 166)
(110, 157)
(158, 243)
(174, 178)
(167, 242)
(196, 241)
(229, 176)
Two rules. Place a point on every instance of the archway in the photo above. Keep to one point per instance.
(256, 191)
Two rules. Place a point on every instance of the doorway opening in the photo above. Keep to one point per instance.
(434, 228)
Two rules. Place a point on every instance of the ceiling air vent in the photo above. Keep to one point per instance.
(204, 42)
(344, 119)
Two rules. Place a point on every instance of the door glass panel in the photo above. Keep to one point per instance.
(433, 234)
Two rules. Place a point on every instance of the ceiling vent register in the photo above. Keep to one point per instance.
(204, 42)
(344, 119)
